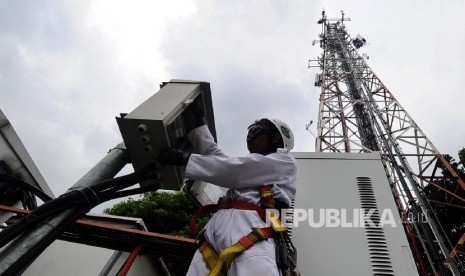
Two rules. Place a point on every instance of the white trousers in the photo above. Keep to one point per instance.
(224, 229)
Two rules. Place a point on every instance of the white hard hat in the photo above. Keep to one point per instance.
(285, 131)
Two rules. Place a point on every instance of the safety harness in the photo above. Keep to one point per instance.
(286, 255)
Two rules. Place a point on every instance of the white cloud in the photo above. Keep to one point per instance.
(257, 64)
(136, 28)
(68, 68)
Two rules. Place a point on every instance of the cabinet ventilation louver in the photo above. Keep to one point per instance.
(377, 245)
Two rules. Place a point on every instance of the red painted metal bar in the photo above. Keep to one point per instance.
(452, 171)
(9, 209)
(135, 232)
(416, 249)
(108, 226)
(454, 195)
(130, 260)
(447, 204)
(459, 248)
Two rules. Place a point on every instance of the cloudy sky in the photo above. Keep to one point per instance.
(68, 68)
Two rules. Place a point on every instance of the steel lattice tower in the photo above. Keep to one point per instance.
(358, 113)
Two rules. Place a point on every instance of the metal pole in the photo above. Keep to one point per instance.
(110, 263)
(107, 168)
(21, 252)
(130, 261)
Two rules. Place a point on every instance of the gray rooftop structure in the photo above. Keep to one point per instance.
(17, 158)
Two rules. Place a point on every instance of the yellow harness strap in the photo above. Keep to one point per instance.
(228, 255)
(209, 254)
(267, 196)
(220, 263)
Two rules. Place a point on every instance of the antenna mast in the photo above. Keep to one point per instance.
(358, 113)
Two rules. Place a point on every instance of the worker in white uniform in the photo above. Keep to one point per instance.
(269, 163)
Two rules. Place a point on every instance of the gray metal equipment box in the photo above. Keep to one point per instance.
(157, 124)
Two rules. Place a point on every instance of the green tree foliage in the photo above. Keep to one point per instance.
(162, 212)
(462, 157)
(451, 213)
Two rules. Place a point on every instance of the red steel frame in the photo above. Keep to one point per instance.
(137, 241)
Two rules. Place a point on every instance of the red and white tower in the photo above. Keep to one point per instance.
(358, 113)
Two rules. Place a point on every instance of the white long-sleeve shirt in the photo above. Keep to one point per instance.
(242, 175)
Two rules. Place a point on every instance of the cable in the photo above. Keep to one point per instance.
(17, 267)
(126, 180)
(14, 230)
(85, 198)
(124, 193)
(15, 182)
